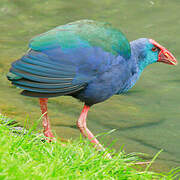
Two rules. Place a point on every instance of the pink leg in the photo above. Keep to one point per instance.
(46, 122)
(81, 123)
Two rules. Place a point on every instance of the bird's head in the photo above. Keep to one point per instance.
(149, 51)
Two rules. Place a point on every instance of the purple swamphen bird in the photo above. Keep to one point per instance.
(88, 60)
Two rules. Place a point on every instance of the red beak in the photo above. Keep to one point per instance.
(164, 55)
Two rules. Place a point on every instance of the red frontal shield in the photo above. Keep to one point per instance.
(164, 55)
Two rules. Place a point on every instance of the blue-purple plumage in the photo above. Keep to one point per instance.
(83, 70)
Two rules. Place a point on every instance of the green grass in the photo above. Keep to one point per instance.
(28, 157)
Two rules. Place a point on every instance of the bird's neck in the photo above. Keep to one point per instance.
(138, 56)
(135, 65)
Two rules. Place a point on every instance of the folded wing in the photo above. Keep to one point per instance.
(41, 77)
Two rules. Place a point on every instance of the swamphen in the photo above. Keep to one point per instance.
(88, 60)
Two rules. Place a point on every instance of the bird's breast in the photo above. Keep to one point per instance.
(105, 85)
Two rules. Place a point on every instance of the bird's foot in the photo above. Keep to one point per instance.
(142, 163)
(49, 136)
(49, 140)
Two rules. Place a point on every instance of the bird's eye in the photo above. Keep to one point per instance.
(154, 49)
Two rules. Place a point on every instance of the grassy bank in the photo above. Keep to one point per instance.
(28, 157)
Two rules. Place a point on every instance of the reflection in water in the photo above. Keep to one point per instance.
(146, 118)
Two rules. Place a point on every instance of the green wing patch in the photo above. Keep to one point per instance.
(84, 33)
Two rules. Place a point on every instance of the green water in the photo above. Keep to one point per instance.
(147, 118)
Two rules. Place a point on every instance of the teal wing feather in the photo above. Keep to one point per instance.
(39, 76)
(84, 33)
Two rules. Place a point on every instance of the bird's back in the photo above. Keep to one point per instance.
(83, 33)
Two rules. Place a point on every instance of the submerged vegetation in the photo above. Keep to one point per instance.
(29, 156)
